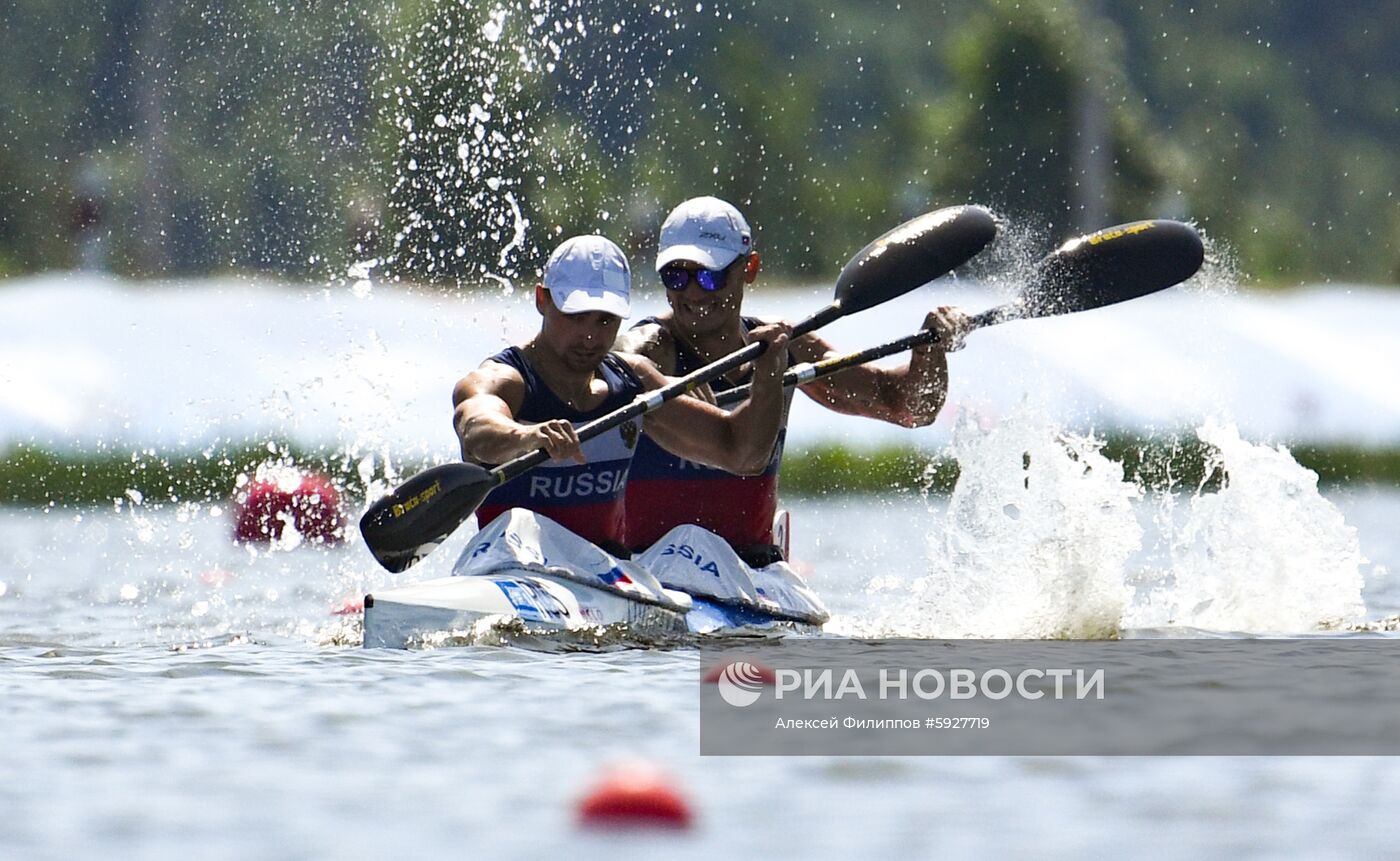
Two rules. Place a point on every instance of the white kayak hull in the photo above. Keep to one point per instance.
(396, 618)
(400, 618)
(523, 567)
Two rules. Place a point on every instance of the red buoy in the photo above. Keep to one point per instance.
(350, 607)
(634, 797)
(264, 508)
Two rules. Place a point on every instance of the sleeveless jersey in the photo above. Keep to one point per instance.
(665, 491)
(587, 498)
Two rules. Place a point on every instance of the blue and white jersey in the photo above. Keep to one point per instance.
(587, 498)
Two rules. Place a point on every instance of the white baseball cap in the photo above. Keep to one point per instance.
(704, 230)
(589, 273)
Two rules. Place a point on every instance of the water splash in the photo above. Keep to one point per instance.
(1266, 553)
(511, 118)
(1010, 262)
(1038, 531)
(1043, 537)
(1220, 273)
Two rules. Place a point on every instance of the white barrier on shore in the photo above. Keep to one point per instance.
(87, 360)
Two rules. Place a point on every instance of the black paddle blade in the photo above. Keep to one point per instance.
(913, 254)
(406, 525)
(1113, 265)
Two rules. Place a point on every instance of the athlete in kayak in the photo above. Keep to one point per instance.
(532, 396)
(706, 258)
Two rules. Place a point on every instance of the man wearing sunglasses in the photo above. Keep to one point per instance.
(706, 259)
(532, 396)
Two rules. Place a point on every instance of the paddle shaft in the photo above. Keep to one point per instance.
(809, 371)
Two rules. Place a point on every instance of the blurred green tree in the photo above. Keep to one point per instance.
(1006, 127)
(459, 140)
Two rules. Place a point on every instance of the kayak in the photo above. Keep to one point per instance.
(523, 566)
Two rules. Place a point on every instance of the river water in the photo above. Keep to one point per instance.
(168, 694)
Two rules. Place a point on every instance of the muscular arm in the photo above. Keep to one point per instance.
(741, 441)
(910, 395)
(485, 402)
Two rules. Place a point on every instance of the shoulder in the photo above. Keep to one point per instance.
(491, 378)
(651, 339)
(645, 369)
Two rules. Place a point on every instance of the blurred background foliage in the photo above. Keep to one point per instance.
(454, 142)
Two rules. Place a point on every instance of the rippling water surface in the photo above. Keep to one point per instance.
(165, 694)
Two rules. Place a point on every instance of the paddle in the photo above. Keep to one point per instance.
(1104, 268)
(421, 513)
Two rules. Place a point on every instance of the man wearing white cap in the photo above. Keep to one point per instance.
(532, 396)
(706, 258)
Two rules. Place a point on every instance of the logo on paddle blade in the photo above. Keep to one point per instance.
(740, 683)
